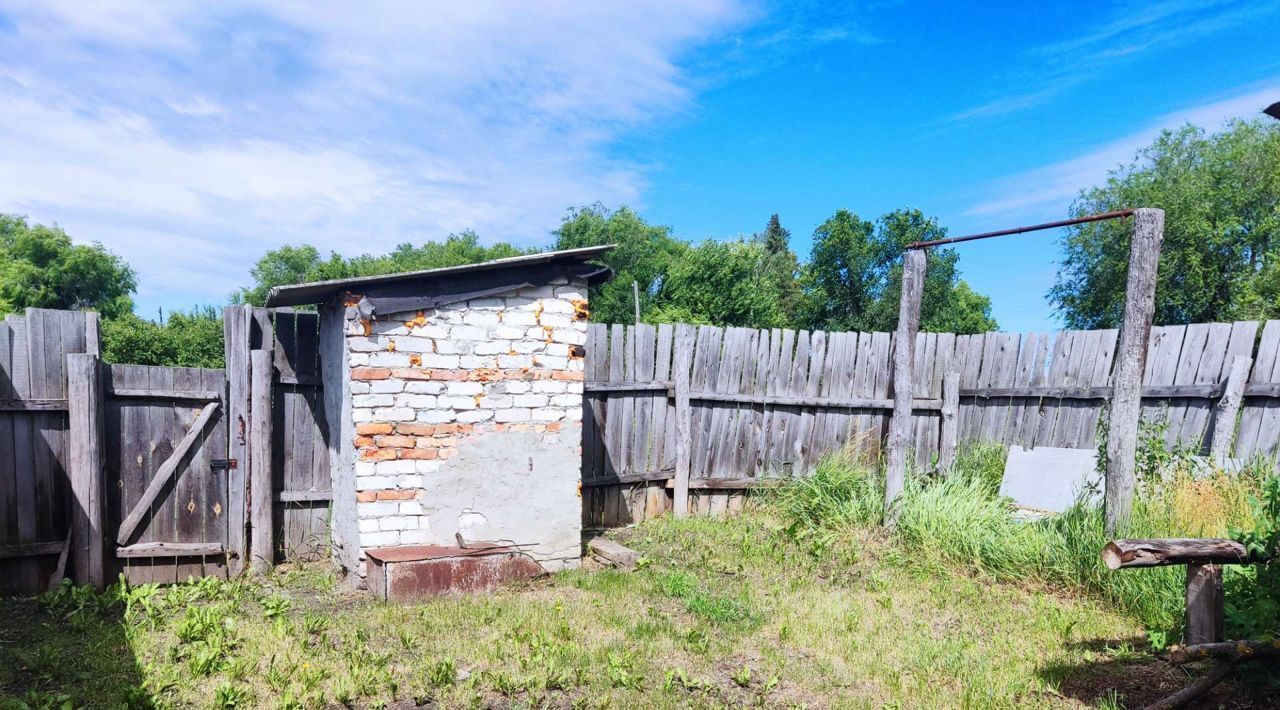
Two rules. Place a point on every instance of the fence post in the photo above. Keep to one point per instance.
(681, 363)
(84, 467)
(262, 544)
(950, 421)
(1131, 358)
(1224, 416)
(235, 324)
(1205, 618)
(904, 347)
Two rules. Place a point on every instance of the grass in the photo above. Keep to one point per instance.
(800, 602)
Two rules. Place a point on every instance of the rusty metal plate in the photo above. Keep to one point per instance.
(469, 573)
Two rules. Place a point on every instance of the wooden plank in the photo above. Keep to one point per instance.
(1253, 412)
(1131, 353)
(706, 366)
(8, 473)
(1060, 355)
(170, 549)
(615, 425)
(235, 323)
(1204, 612)
(947, 439)
(261, 543)
(645, 336)
(921, 405)
(189, 395)
(680, 370)
(809, 420)
(164, 473)
(661, 454)
(31, 549)
(1225, 414)
(913, 263)
(304, 496)
(34, 404)
(661, 385)
(1193, 347)
(84, 467)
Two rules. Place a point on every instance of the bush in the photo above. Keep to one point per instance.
(191, 339)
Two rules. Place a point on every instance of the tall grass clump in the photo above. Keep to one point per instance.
(960, 520)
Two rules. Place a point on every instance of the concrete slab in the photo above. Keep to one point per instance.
(1050, 479)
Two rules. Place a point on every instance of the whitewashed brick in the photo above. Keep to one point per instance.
(550, 362)
(507, 332)
(468, 332)
(391, 468)
(399, 522)
(570, 293)
(373, 400)
(480, 318)
(548, 414)
(415, 345)
(358, 359)
(389, 538)
(389, 327)
(433, 331)
(530, 400)
(428, 467)
(475, 415)
(423, 387)
(477, 362)
(573, 413)
(558, 349)
(456, 402)
(416, 401)
(556, 305)
(465, 388)
(389, 360)
(527, 347)
(518, 302)
(570, 336)
(436, 416)
(495, 402)
(554, 320)
(514, 362)
(374, 483)
(574, 387)
(453, 347)
(444, 362)
(409, 481)
(361, 415)
(365, 468)
(566, 400)
(377, 509)
(492, 347)
(511, 415)
(394, 414)
(421, 536)
(410, 507)
(363, 345)
(519, 318)
(388, 386)
(357, 387)
(550, 386)
(369, 525)
(517, 386)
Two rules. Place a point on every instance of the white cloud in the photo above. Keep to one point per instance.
(192, 137)
(1050, 188)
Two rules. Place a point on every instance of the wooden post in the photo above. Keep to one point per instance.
(1204, 604)
(681, 363)
(1130, 360)
(262, 543)
(950, 422)
(1224, 416)
(635, 293)
(235, 325)
(84, 467)
(92, 335)
(904, 347)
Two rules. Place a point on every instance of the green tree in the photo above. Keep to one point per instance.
(184, 339)
(40, 267)
(303, 263)
(854, 277)
(1221, 255)
(783, 268)
(720, 282)
(643, 255)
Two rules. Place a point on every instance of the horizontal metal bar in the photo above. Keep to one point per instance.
(1019, 230)
(825, 402)
(31, 549)
(188, 395)
(170, 549)
(33, 405)
(659, 385)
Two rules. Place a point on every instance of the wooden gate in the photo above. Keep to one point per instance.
(168, 477)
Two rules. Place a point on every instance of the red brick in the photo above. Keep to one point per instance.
(364, 441)
(397, 441)
(366, 496)
(414, 429)
(419, 454)
(396, 495)
(377, 454)
(371, 428)
(370, 373)
(405, 373)
(566, 375)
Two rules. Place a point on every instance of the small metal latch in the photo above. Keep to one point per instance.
(223, 464)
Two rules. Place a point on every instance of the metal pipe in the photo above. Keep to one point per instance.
(1019, 230)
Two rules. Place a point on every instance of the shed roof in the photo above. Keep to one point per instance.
(319, 291)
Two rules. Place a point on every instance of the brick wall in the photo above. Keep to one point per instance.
(433, 393)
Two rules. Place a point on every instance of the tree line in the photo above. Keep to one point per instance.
(1220, 191)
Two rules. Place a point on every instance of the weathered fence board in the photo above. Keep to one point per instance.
(299, 441)
(769, 403)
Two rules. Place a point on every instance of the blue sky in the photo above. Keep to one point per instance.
(191, 137)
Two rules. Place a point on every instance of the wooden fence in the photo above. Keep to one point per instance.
(769, 403)
(158, 472)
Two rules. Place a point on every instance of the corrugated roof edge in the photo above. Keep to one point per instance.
(318, 291)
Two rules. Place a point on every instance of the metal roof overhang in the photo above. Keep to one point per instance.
(321, 291)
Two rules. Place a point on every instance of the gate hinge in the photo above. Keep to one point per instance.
(224, 464)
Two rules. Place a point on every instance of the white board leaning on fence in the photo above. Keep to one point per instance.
(1049, 479)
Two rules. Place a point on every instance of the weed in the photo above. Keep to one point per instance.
(742, 677)
(229, 695)
(442, 673)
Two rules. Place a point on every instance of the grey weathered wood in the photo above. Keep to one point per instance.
(303, 496)
(236, 349)
(178, 394)
(170, 549)
(681, 361)
(262, 542)
(950, 421)
(1126, 402)
(1231, 650)
(164, 473)
(1224, 416)
(1157, 552)
(34, 404)
(913, 263)
(85, 466)
(31, 549)
(614, 553)
(1204, 615)
(824, 402)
